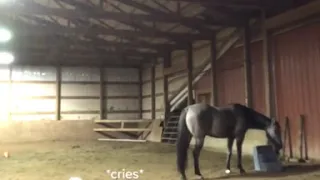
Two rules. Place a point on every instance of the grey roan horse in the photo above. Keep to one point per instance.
(230, 122)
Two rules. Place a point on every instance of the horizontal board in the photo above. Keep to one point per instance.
(33, 105)
(80, 105)
(80, 74)
(122, 120)
(122, 104)
(121, 74)
(122, 90)
(33, 73)
(80, 90)
(121, 129)
(33, 89)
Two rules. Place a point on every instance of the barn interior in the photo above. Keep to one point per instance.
(107, 79)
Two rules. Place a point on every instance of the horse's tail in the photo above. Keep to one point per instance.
(182, 144)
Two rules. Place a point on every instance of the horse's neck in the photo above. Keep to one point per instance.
(259, 121)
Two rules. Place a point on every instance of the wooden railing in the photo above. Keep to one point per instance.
(122, 128)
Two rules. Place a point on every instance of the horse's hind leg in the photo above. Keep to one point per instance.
(196, 153)
(239, 153)
(229, 153)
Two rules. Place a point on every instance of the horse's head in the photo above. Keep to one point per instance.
(273, 132)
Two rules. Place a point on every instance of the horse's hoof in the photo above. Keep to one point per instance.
(227, 171)
(242, 171)
(183, 178)
(198, 177)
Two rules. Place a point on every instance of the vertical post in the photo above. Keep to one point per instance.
(166, 63)
(190, 73)
(10, 94)
(247, 66)
(140, 93)
(153, 92)
(267, 64)
(105, 87)
(214, 89)
(58, 93)
(102, 96)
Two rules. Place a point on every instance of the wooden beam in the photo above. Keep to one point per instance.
(58, 93)
(247, 66)
(37, 60)
(194, 23)
(10, 93)
(70, 62)
(190, 72)
(123, 120)
(23, 41)
(121, 129)
(106, 93)
(122, 140)
(96, 53)
(102, 95)
(214, 83)
(166, 103)
(140, 93)
(267, 69)
(153, 92)
(39, 30)
(30, 9)
(294, 15)
(255, 5)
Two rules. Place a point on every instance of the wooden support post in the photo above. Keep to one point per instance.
(247, 66)
(58, 93)
(153, 92)
(166, 105)
(214, 88)
(267, 70)
(10, 94)
(140, 93)
(102, 95)
(190, 73)
(122, 124)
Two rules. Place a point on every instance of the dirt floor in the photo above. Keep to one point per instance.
(92, 160)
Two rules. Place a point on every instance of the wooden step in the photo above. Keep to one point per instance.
(122, 140)
(173, 122)
(168, 138)
(122, 129)
(171, 127)
(171, 133)
(123, 121)
(174, 117)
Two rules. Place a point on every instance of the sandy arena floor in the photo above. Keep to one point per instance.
(91, 160)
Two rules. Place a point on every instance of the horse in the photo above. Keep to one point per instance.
(230, 122)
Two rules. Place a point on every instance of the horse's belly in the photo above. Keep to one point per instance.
(219, 134)
(221, 131)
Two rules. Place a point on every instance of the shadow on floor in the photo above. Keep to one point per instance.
(289, 170)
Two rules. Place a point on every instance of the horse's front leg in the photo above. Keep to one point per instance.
(229, 153)
(239, 154)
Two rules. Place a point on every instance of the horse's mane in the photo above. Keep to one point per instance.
(258, 119)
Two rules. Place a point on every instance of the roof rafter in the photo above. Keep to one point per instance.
(99, 14)
(248, 4)
(24, 28)
(196, 23)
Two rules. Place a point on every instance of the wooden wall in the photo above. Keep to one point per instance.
(297, 61)
(30, 93)
(295, 55)
(230, 76)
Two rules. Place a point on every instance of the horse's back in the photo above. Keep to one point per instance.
(204, 119)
